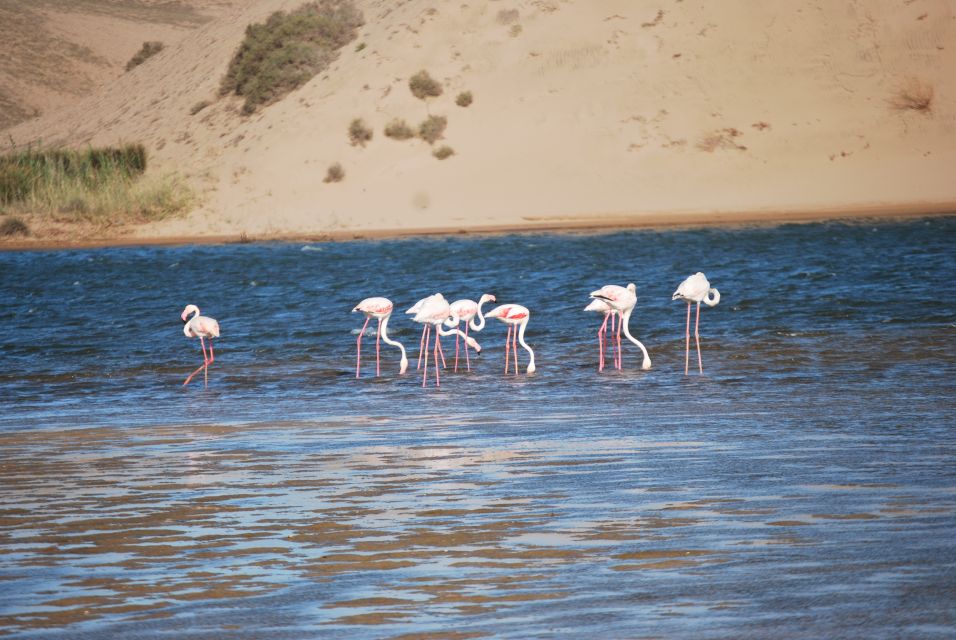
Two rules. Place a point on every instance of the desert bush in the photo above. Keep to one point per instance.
(721, 139)
(199, 106)
(423, 86)
(335, 173)
(913, 95)
(148, 50)
(443, 152)
(399, 130)
(432, 128)
(464, 99)
(288, 50)
(97, 184)
(14, 227)
(359, 133)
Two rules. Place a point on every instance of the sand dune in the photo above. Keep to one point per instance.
(584, 113)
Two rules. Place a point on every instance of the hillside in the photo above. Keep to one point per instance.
(584, 113)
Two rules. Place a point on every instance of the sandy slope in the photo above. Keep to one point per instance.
(585, 112)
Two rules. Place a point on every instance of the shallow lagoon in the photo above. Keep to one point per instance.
(804, 485)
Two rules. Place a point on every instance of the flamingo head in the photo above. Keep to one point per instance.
(190, 309)
(473, 344)
(486, 298)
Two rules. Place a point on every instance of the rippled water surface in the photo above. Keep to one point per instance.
(803, 486)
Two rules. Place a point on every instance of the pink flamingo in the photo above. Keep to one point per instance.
(697, 289)
(200, 327)
(433, 312)
(622, 300)
(599, 306)
(467, 310)
(516, 317)
(381, 309)
(426, 330)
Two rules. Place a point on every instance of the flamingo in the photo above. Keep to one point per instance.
(380, 308)
(599, 306)
(433, 312)
(516, 317)
(467, 310)
(697, 289)
(412, 311)
(200, 327)
(623, 300)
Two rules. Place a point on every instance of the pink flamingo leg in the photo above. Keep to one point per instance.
(437, 351)
(440, 352)
(600, 335)
(205, 361)
(467, 362)
(425, 334)
(456, 351)
(358, 348)
(700, 363)
(687, 349)
(617, 344)
(378, 334)
(507, 349)
(421, 347)
(514, 347)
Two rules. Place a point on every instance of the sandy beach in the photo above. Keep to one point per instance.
(640, 114)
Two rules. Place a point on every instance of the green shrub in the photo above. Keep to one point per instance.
(464, 99)
(424, 86)
(359, 133)
(288, 50)
(335, 173)
(432, 128)
(443, 152)
(149, 50)
(399, 130)
(14, 227)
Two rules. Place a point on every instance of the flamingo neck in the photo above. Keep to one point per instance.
(521, 328)
(478, 326)
(394, 343)
(626, 321)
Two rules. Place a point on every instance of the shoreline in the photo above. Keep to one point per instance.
(535, 224)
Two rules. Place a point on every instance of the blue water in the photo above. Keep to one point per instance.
(804, 485)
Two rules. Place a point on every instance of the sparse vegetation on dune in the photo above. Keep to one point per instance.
(464, 99)
(913, 95)
(335, 173)
(423, 86)
(13, 227)
(398, 129)
(148, 50)
(443, 152)
(359, 133)
(432, 129)
(289, 49)
(97, 185)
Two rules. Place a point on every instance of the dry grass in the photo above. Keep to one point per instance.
(423, 86)
(398, 129)
(335, 173)
(149, 49)
(913, 95)
(359, 133)
(464, 99)
(432, 129)
(721, 139)
(199, 106)
(443, 152)
(13, 227)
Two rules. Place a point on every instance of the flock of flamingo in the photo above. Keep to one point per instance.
(615, 302)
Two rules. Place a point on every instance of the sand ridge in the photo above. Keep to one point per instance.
(596, 113)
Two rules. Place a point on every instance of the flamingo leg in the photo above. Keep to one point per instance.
(425, 351)
(456, 351)
(378, 334)
(205, 362)
(687, 342)
(212, 356)
(440, 352)
(507, 349)
(437, 351)
(620, 356)
(421, 347)
(358, 348)
(467, 362)
(600, 335)
(514, 347)
(700, 362)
